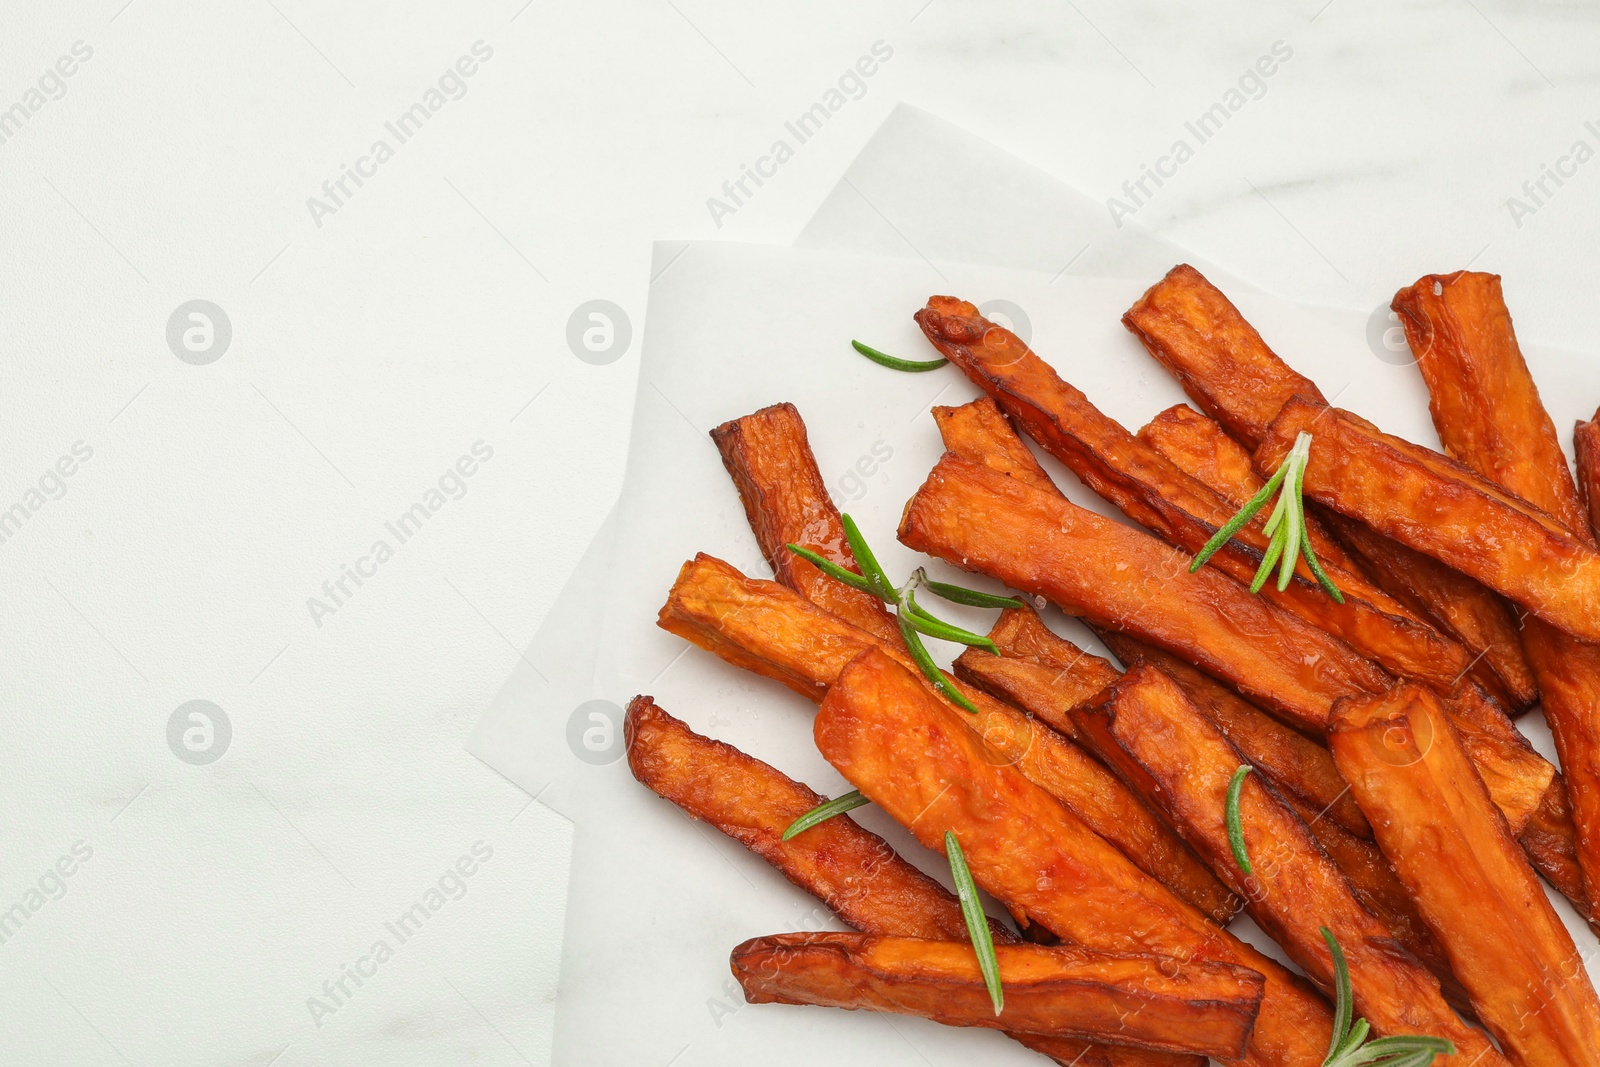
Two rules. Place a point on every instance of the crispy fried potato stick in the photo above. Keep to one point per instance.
(906, 750)
(1149, 1001)
(773, 631)
(1295, 887)
(1439, 507)
(1191, 328)
(1125, 580)
(851, 870)
(1449, 844)
(1586, 440)
(980, 430)
(1156, 494)
(1481, 621)
(1487, 410)
(768, 455)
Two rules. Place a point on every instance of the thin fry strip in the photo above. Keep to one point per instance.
(1487, 410)
(1441, 508)
(1125, 580)
(902, 747)
(1477, 618)
(851, 870)
(1128, 998)
(768, 455)
(1294, 888)
(1448, 843)
(773, 631)
(1190, 327)
(1153, 492)
(1586, 442)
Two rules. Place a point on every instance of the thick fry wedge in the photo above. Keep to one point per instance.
(1297, 765)
(1125, 580)
(1295, 887)
(1196, 333)
(768, 455)
(1586, 441)
(1178, 508)
(851, 870)
(907, 751)
(771, 630)
(1481, 621)
(1487, 410)
(1189, 326)
(1449, 844)
(1439, 507)
(1153, 1002)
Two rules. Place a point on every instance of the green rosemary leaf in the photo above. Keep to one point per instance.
(958, 594)
(1235, 827)
(1237, 523)
(1347, 1048)
(1342, 1009)
(867, 561)
(895, 362)
(834, 571)
(1294, 516)
(823, 812)
(930, 670)
(1313, 562)
(944, 631)
(1274, 552)
(977, 922)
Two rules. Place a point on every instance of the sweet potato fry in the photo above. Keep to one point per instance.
(851, 870)
(1487, 410)
(768, 455)
(980, 430)
(1125, 580)
(906, 750)
(1449, 844)
(1297, 765)
(1295, 887)
(1439, 507)
(1550, 840)
(1481, 621)
(1586, 440)
(1153, 1002)
(1189, 326)
(1043, 692)
(1194, 331)
(773, 631)
(1176, 507)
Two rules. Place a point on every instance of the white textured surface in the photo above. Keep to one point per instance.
(369, 353)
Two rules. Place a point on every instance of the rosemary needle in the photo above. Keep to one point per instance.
(977, 922)
(895, 362)
(1236, 828)
(1349, 1046)
(825, 811)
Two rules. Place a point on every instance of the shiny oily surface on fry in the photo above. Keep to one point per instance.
(1148, 1001)
(903, 748)
(1453, 850)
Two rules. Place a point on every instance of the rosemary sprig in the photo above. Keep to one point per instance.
(910, 617)
(825, 811)
(1285, 526)
(1236, 828)
(977, 922)
(895, 362)
(1350, 1047)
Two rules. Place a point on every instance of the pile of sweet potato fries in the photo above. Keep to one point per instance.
(1391, 826)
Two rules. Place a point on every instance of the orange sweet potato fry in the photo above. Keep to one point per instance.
(1487, 410)
(848, 868)
(1194, 331)
(1481, 621)
(1190, 327)
(1149, 1001)
(980, 430)
(1125, 580)
(1439, 507)
(1550, 840)
(908, 752)
(1178, 508)
(1453, 850)
(1586, 440)
(768, 455)
(1294, 888)
(771, 630)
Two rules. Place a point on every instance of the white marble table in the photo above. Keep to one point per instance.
(385, 331)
